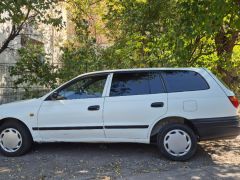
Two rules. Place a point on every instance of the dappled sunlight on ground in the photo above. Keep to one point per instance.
(224, 151)
(4, 170)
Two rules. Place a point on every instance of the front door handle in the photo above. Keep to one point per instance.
(94, 108)
(157, 104)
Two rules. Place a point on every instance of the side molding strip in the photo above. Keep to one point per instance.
(127, 127)
(90, 127)
(67, 128)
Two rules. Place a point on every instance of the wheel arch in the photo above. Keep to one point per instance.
(15, 120)
(167, 120)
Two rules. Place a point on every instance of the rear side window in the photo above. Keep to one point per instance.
(127, 84)
(179, 81)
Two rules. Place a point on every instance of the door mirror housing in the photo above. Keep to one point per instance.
(55, 96)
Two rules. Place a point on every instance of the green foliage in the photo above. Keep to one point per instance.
(82, 53)
(206, 33)
(154, 33)
(77, 60)
(140, 27)
(33, 69)
(19, 13)
(177, 34)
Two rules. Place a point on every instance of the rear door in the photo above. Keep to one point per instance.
(134, 102)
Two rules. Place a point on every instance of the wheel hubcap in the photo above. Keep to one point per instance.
(10, 140)
(177, 142)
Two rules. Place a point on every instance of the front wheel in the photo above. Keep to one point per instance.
(15, 139)
(177, 142)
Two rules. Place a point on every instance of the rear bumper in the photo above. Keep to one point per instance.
(217, 128)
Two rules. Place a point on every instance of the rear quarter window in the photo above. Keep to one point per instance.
(183, 80)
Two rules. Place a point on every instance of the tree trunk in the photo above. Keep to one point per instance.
(225, 42)
(14, 33)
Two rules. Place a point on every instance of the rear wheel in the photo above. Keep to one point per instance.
(15, 139)
(177, 142)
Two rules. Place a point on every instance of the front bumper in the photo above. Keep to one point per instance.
(217, 128)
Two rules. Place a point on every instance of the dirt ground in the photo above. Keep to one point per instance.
(214, 160)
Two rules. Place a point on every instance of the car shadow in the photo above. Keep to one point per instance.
(123, 150)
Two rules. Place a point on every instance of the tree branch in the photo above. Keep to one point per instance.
(16, 29)
(196, 43)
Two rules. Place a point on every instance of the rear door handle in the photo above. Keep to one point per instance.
(157, 104)
(94, 108)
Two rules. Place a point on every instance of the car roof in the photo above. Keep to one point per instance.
(139, 69)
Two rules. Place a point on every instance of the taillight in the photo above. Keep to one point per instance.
(234, 101)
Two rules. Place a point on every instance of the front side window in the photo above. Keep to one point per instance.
(180, 81)
(89, 87)
(136, 83)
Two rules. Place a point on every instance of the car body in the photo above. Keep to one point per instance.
(168, 106)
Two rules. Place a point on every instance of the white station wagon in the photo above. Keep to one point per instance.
(172, 107)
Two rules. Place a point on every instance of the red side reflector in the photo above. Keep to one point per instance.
(234, 101)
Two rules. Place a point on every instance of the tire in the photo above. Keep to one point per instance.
(177, 142)
(21, 139)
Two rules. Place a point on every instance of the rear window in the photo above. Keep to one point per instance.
(136, 83)
(180, 80)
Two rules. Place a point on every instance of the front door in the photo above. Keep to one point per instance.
(75, 113)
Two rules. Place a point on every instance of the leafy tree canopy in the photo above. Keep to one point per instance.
(154, 33)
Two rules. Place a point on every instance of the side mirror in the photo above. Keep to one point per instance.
(54, 95)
